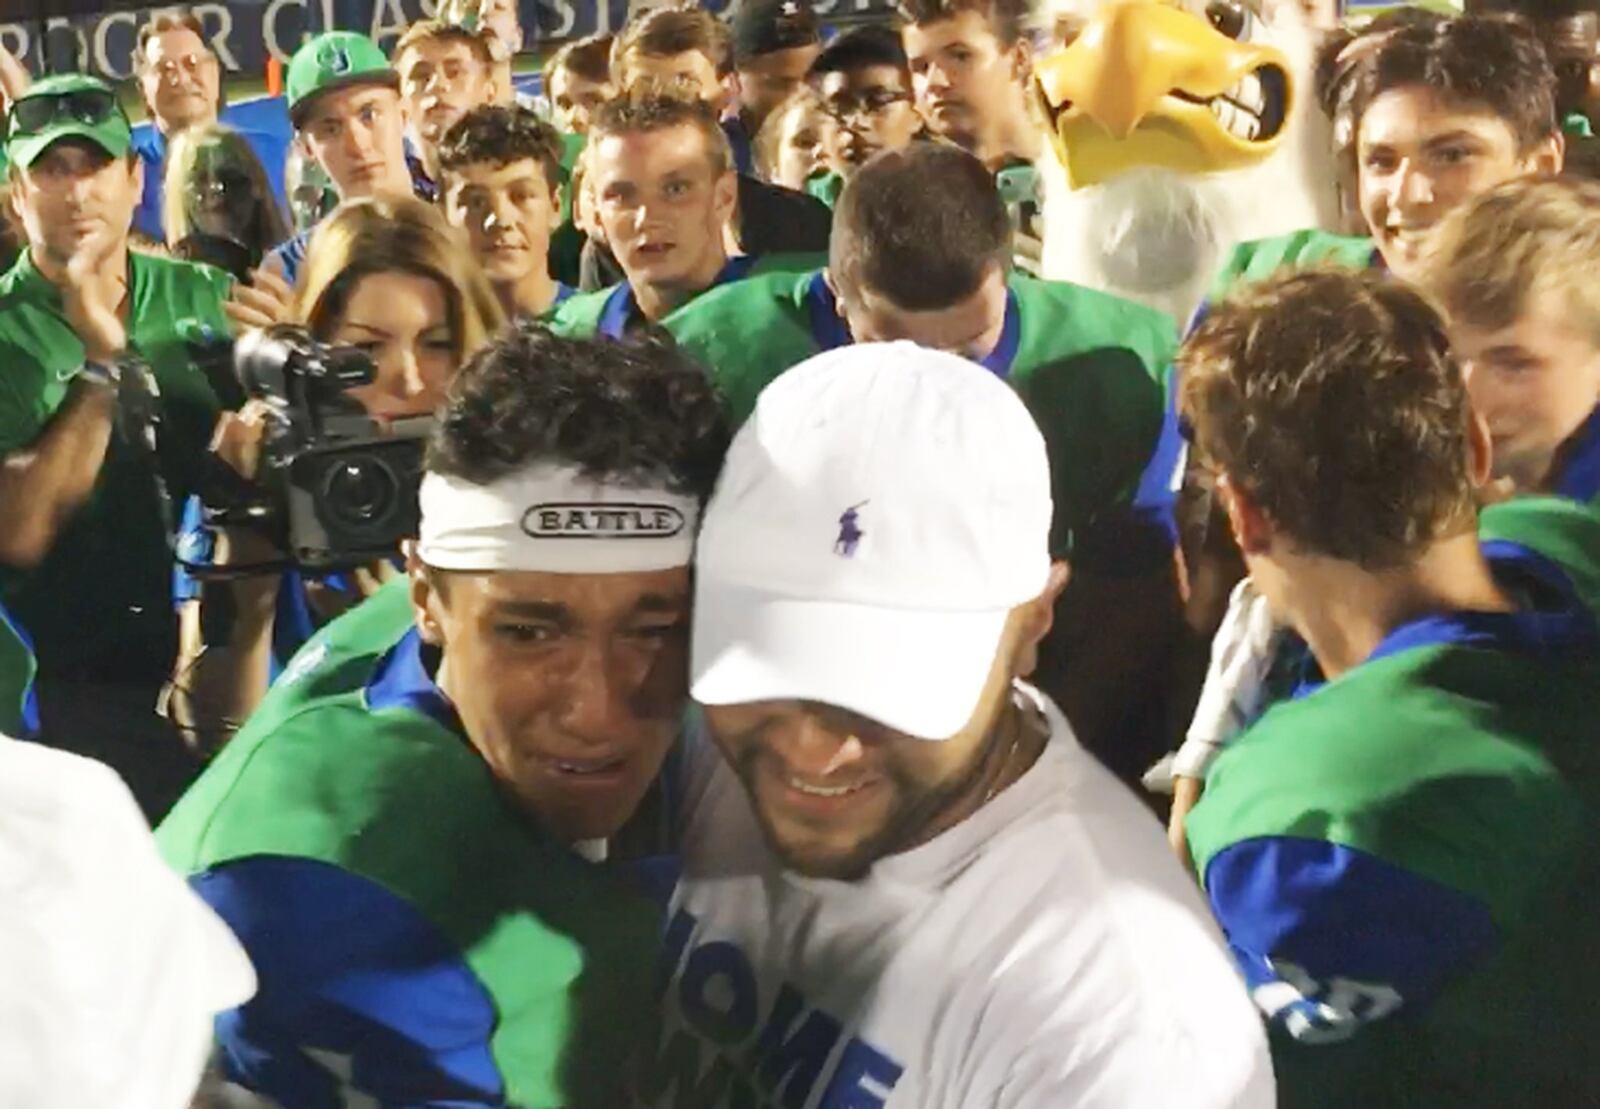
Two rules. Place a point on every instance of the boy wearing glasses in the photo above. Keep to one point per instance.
(86, 565)
(864, 86)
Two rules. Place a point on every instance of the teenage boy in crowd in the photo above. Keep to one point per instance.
(500, 183)
(577, 80)
(500, 23)
(1514, 271)
(664, 192)
(687, 50)
(970, 67)
(864, 87)
(445, 71)
(691, 49)
(1441, 111)
(904, 883)
(404, 836)
(774, 43)
(920, 251)
(180, 81)
(1401, 854)
(344, 102)
(85, 500)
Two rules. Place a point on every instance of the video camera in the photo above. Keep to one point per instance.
(334, 489)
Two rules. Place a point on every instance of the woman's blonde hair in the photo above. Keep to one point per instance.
(394, 235)
(271, 226)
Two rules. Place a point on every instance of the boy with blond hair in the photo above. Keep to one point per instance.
(1514, 271)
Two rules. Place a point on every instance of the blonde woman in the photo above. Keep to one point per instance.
(388, 277)
(217, 203)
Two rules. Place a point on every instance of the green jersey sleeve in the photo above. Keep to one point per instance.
(746, 334)
(1094, 369)
(578, 317)
(1255, 261)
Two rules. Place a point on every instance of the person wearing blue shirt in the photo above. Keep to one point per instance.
(180, 80)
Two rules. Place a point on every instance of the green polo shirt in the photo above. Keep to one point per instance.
(104, 590)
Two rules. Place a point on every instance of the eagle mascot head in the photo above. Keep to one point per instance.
(1177, 129)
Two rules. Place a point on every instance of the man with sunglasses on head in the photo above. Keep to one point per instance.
(93, 359)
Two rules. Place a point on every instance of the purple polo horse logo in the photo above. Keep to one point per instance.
(850, 532)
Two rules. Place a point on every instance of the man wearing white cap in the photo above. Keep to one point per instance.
(904, 883)
(407, 835)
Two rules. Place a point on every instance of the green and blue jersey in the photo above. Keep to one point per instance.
(1092, 368)
(1403, 858)
(418, 940)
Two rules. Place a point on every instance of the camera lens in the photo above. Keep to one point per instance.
(360, 492)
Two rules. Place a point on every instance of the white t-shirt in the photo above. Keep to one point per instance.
(1046, 952)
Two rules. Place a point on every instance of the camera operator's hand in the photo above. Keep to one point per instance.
(238, 437)
(265, 301)
(92, 298)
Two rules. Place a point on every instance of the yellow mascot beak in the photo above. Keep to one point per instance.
(1146, 83)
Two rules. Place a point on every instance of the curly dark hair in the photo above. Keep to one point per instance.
(1008, 19)
(921, 225)
(1331, 398)
(1496, 62)
(503, 135)
(634, 411)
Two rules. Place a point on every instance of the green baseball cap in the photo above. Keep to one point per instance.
(69, 105)
(332, 61)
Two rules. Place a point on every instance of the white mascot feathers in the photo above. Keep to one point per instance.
(1177, 130)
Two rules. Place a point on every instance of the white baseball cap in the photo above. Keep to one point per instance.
(878, 518)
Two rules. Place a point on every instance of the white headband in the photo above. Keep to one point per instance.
(554, 519)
